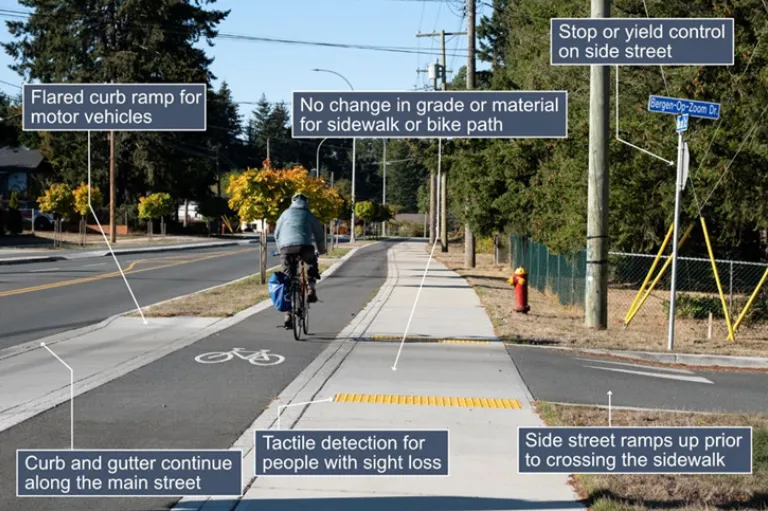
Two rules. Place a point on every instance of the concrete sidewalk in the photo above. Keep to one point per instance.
(483, 450)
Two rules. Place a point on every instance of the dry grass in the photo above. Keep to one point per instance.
(551, 323)
(222, 301)
(679, 492)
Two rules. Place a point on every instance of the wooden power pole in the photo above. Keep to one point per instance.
(469, 237)
(596, 297)
(112, 219)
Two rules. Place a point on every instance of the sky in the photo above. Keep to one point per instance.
(253, 68)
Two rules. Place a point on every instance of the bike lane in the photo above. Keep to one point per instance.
(179, 403)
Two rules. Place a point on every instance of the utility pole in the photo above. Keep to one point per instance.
(112, 219)
(596, 299)
(469, 236)
(384, 187)
(434, 73)
(444, 175)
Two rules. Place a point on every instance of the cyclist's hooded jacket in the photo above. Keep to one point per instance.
(298, 226)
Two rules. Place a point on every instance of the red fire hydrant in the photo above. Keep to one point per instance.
(520, 283)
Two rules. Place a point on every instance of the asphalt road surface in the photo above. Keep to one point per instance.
(178, 403)
(567, 377)
(40, 299)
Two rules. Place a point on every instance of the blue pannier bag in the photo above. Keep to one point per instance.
(278, 291)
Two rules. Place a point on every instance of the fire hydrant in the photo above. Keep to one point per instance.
(520, 283)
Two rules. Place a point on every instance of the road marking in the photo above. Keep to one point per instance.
(128, 270)
(255, 357)
(669, 369)
(43, 270)
(463, 402)
(94, 264)
(695, 379)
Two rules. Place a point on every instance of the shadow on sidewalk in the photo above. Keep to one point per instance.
(400, 504)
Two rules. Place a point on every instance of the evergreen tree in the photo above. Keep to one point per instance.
(122, 41)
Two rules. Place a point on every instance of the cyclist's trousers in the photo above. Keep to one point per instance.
(289, 257)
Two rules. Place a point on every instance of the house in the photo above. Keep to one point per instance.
(19, 168)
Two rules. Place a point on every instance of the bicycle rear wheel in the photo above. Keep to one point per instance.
(296, 308)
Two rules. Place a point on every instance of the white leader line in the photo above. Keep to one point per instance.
(437, 237)
(105, 236)
(283, 407)
(668, 162)
(71, 397)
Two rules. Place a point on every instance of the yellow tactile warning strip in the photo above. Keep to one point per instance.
(392, 338)
(463, 402)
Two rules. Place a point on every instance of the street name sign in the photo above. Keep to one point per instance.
(664, 105)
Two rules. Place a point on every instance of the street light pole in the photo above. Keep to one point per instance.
(354, 148)
(317, 166)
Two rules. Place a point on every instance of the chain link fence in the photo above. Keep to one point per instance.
(564, 276)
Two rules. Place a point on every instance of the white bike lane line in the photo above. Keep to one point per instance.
(179, 403)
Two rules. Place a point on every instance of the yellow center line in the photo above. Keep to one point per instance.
(128, 270)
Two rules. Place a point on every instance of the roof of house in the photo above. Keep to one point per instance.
(14, 159)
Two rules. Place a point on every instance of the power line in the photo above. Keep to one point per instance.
(273, 40)
(11, 84)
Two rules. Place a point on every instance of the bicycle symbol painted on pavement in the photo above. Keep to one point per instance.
(257, 358)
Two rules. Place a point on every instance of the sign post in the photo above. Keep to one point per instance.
(683, 109)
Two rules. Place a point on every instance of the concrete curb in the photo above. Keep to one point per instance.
(31, 259)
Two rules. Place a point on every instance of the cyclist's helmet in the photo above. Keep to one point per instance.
(300, 197)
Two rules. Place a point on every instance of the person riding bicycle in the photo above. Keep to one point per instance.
(295, 231)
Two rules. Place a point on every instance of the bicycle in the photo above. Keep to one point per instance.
(257, 358)
(299, 289)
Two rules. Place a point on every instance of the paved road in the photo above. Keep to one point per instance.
(176, 402)
(567, 377)
(40, 299)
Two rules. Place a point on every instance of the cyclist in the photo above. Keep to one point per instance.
(295, 231)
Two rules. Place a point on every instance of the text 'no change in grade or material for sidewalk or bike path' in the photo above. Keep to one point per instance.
(435, 114)
(642, 41)
(114, 107)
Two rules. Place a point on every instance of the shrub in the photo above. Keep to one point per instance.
(57, 200)
(410, 229)
(14, 222)
(695, 307)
